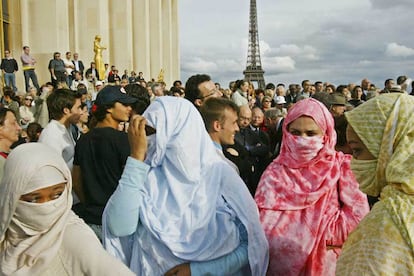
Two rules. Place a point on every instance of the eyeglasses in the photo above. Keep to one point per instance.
(28, 99)
(213, 92)
(149, 130)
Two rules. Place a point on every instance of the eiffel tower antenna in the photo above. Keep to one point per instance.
(254, 71)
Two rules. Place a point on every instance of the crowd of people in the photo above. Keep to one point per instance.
(114, 175)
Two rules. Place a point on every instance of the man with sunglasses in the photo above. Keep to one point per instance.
(100, 155)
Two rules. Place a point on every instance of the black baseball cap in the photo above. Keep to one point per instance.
(113, 93)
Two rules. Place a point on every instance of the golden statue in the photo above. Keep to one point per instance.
(97, 48)
(161, 76)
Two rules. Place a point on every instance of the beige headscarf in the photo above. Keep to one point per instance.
(385, 125)
(30, 233)
(383, 243)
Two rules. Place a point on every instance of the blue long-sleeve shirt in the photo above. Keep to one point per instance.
(127, 200)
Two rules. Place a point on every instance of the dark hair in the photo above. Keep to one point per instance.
(176, 82)
(8, 91)
(340, 127)
(59, 100)
(239, 83)
(3, 114)
(332, 87)
(259, 91)
(55, 53)
(304, 81)
(354, 93)
(141, 94)
(99, 114)
(387, 81)
(401, 79)
(33, 131)
(340, 88)
(175, 89)
(270, 86)
(213, 110)
(192, 92)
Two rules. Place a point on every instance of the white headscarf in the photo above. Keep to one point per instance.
(48, 237)
(30, 233)
(191, 196)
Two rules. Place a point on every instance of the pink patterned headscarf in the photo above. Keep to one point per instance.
(307, 208)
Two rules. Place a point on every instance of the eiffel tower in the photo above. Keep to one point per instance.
(254, 71)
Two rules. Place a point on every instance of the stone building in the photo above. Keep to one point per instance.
(140, 35)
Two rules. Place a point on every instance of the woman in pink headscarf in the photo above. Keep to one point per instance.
(308, 198)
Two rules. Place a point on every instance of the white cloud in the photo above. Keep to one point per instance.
(310, 53)
(264, 48)
(395, 50)
(198, 64)
(386, 4)
(288, 49)
(306, 52)
(336, 41)
(275, 65)
(365, 62)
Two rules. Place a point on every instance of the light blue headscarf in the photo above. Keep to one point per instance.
(191, 198)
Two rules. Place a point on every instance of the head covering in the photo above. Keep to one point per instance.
(388, 138)
(111, 94)
(25, 247)
(280, 100)
(337, 99)
(383, 242)
(191, 196)
(45, 238)
(303, 194)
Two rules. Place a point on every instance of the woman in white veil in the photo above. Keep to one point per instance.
(39, 234)
(184, 205)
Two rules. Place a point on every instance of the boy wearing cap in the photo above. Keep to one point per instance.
(100, 155)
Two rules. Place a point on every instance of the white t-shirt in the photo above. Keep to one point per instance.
(57, 136)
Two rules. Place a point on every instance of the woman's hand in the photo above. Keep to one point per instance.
(137, 137)
(179, 270)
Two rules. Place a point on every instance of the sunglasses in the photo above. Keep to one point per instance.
(149, 130)
(28, 99)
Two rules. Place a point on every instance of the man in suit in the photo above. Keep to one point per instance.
(256, 142)
(78, 63)
(274, 122)
(92, 73)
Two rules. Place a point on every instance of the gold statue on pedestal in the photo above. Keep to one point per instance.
(97, 48)
(161, 76)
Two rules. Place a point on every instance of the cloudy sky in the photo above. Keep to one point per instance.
(338, 41)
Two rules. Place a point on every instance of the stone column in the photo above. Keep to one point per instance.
(141, 37)
(156, 38)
